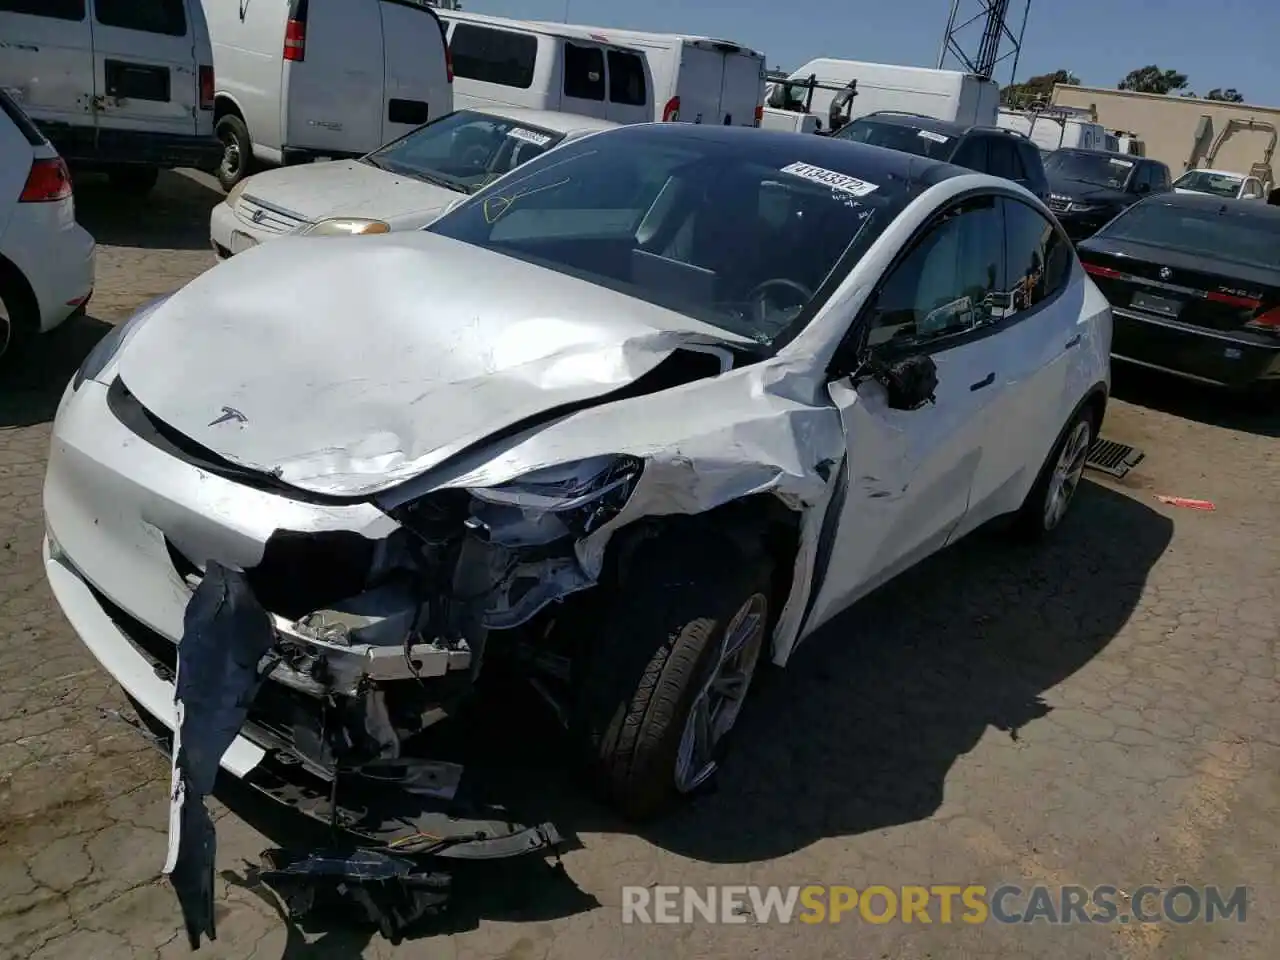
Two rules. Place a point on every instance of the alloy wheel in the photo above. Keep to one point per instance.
(1066, 474)
(716, 707)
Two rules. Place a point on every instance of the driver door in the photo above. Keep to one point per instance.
(909, 473)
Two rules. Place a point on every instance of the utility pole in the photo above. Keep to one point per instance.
(980, 37)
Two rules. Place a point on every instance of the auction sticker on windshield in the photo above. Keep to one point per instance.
(830, 178)
(529, 136)
(1121, 163)
(935, 137)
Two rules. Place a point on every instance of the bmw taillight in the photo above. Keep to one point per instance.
(1267, 322)
(671, 112)
(49, 180)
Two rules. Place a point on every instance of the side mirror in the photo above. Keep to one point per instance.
(910, 382)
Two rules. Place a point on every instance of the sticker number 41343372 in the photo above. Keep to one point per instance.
(830, 178)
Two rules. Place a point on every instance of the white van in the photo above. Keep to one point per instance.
(336, 79)
(944, 94)
(696, 79)
(1050, 128)
(121, 86)
(542, 66)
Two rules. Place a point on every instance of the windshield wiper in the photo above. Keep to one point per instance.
(417, 175)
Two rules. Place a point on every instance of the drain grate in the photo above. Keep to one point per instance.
(1113, 459)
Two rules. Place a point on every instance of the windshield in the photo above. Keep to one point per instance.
(1089, 167)
(739, 232)
(465, 150)
(900, 136)
(1214, 232)
(1206, 181)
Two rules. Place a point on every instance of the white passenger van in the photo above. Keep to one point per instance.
(120, 86)
(332, 79)
(544, 66)
(1051, 128)
(697, 79)
(944, 94)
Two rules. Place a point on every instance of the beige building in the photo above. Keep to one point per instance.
(1183, 131)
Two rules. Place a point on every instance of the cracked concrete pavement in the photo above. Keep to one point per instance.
(1102, 710)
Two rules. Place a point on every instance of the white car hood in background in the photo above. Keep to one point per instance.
(359, 362)
(348, 188)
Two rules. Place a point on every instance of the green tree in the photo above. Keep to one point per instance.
(1036, 88)
(1152, 79)
(1229, 95)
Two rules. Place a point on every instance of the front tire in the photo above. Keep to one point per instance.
(1054, 491)
(237, 150)
(658, 690)
(19, 315)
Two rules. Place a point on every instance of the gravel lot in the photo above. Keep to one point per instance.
(1103, 711)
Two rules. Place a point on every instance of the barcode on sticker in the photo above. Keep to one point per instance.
(830, 178)
(529, 136)
(935, 137)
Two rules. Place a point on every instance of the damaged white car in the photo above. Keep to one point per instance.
(637, 418)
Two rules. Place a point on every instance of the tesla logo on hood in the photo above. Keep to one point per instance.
(1165, 273)
(229, 413)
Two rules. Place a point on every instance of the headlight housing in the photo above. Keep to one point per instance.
(1077, 206)
(345, 227)
(571, 499)
(105, 350)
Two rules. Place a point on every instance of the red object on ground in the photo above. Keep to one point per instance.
(1185, 502)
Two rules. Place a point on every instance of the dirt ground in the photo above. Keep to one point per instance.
(1100, 711)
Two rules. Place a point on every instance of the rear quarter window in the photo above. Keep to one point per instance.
(583, 72)
(53, 9)
(493, 56)
(626, 78)
(166, 17)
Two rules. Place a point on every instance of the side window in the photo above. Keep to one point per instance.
(168, 17)
(583, 72)
(1032, 167)
(56, 9)
(1037, 258)
(493, 56)
(972, 153)
(950, 283)
(1159, 177)
(626, 78)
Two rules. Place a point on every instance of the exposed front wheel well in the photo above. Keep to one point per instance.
(225, 106)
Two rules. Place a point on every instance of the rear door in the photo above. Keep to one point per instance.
(416, 78)
(46, 59)
(630, 92)
(742, 86)
(700, 78)
(333, 96)
(584, 86)
(144, 64)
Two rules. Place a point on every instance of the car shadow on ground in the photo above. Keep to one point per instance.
(858, 734)
(1197, 401)
(31, 383)
(174, 216)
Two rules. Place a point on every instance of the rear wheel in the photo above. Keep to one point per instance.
(661, 686)
(237, 150)
(134, 181)
(19, 315)
(1047, 504)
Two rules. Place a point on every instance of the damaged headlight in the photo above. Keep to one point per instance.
(105, 350)
(572, 499)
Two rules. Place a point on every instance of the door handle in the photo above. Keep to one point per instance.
(986, 381)
(1073, 342)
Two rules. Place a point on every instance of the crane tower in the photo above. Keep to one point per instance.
(980, 35)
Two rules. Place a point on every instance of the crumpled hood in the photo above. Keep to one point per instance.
(348, 188)
(359, 362)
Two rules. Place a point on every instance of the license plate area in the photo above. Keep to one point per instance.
(1164, 306)
(240, 242)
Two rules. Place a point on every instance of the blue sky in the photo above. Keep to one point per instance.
(1222, 43)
